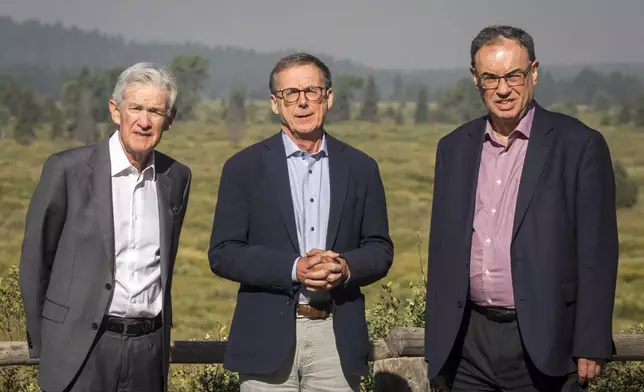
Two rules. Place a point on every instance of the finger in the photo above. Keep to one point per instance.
(332, 267)
(313, 260)
(318, 274)
(582, 371)
(333, 277)
(315, 283)
(313, 252)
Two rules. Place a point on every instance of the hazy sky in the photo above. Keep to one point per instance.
(380, 33)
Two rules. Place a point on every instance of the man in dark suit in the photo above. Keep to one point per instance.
(101, 236)
(523, 244)
(301, 224)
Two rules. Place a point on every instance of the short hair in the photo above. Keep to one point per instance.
(297, 59)
(494, 33)
(147, 73)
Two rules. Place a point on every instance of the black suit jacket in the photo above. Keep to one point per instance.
(67, 260)
(564, 249)
(254, 242)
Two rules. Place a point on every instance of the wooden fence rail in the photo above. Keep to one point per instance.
(399, 363)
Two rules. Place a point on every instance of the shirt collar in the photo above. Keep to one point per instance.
(292, 149)
(524, 127)
(119, 161)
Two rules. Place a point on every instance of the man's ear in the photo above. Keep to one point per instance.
(170, 119)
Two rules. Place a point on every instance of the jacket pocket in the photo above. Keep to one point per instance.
(54, 312)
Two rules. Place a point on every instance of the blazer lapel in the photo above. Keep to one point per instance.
(276, 167)
(471, 160)
(164, 197)
(100, 188)
(339, 178)
(535, 161)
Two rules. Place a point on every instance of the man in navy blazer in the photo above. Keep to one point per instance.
(523, 245)
(301, 223)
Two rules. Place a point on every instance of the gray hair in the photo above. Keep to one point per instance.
(147, 73)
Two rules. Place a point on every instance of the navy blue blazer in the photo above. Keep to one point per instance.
(564, 249)
(254, 242)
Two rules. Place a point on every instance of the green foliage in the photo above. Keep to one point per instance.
(344, 88)
(369, 110)
(626, 190)
(191, 71)
(421, 114)
(461, 102)
(639, 111)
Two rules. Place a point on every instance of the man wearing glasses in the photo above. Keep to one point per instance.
(301, 224)
(523, 245)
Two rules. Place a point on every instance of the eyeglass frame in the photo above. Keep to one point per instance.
(323, 93)
(519, 72)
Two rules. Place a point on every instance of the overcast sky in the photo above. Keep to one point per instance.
(380, 33)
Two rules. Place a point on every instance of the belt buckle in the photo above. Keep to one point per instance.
(124, 328)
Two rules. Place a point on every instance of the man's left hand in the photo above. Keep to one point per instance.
(588, 369)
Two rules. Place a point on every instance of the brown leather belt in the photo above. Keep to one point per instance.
(314, 311)
(500, 315)
(132, 326)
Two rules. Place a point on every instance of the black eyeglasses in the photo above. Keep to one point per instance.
(292, 95)
(513, 79)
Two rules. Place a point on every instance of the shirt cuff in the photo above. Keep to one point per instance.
(294, 270)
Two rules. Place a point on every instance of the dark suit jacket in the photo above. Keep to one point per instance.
(254, 242)
(564, 248)
(67, 261)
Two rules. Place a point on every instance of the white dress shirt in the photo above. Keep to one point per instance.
(137, 289)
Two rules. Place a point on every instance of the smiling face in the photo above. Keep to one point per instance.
(509, 100)
(142, 118)
(305, 116)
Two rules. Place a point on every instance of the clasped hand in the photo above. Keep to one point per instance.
(322, 270)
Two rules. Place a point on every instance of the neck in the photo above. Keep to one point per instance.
(138, 160)
(504, 127)
(309, 142)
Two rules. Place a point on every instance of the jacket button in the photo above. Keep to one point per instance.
(289, 302)
(459, 304)
(108, 286)
(94, 326)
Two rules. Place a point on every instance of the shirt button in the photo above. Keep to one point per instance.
(498, 181)
(489, 301)
(310, 171)
(487, 241)
(487, 272)
(312, 228)
(312, 200)
(494, 210)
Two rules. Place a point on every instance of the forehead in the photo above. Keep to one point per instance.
(146, 94)
(300, 76)
(501, 56)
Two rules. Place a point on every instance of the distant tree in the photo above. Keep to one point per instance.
(626, 190)
(236, 117)
(601, 101)
(461, 102)
(606, 119)
(86, 130)
(398, 94)
(191, 72)
(344, 89)
(57, 122)
(421, 114)
(26, 117)
(638, 115)
(369, 110)
(4, 121)
(625, 116)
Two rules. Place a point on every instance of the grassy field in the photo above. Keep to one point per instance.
(406, 158)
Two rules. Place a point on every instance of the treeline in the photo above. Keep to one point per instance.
(44, 57)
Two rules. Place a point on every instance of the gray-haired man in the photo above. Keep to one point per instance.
(101, 237)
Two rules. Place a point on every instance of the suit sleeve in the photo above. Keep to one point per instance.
(230, 255)
(597, 252)
(437, 213)
(43, 226)
(372, 260)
